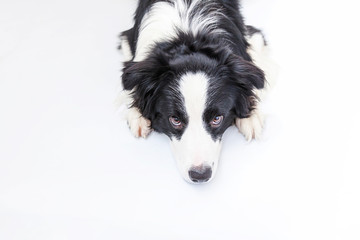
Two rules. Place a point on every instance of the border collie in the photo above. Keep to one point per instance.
(192, 70)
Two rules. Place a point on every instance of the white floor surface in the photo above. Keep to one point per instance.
(70, 169)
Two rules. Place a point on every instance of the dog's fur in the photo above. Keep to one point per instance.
(190, 74)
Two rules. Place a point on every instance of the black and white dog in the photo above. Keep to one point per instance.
(192, 70)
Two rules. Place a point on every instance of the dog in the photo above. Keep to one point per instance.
(192, 69)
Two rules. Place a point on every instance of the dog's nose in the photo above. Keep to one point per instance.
(200, 173)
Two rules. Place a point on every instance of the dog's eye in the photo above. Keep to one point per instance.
(216, 121)
(176, 123)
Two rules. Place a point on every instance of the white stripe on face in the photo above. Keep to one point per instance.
(196, 146)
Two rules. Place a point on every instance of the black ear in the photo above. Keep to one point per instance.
(144, 80)
(246, 77)
(134, 73)
(250, 75)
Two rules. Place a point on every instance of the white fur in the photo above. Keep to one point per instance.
(261, 55)
(126, 50)
(196, 146)
(158, 24)
(162, 20)
(252, 126)
(139, 125)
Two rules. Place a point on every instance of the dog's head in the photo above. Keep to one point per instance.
(193, 94)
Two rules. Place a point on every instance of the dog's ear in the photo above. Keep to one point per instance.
(248, 74)
(246, 78)
(144, 80)
(134, 72)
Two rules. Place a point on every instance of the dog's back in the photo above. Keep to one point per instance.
(159, 20)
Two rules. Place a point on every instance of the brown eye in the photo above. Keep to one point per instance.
(217, 121)
(175, 122)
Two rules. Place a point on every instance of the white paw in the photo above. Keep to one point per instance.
(252, 126)
(139, 126)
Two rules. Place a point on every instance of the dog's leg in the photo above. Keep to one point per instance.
(252, 126)
(139, 126)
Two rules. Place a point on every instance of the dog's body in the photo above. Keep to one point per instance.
(190, 74)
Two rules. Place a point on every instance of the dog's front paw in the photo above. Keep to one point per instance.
(139, 126)
(252, 126)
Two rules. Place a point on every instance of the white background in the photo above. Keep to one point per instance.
(70, 169)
